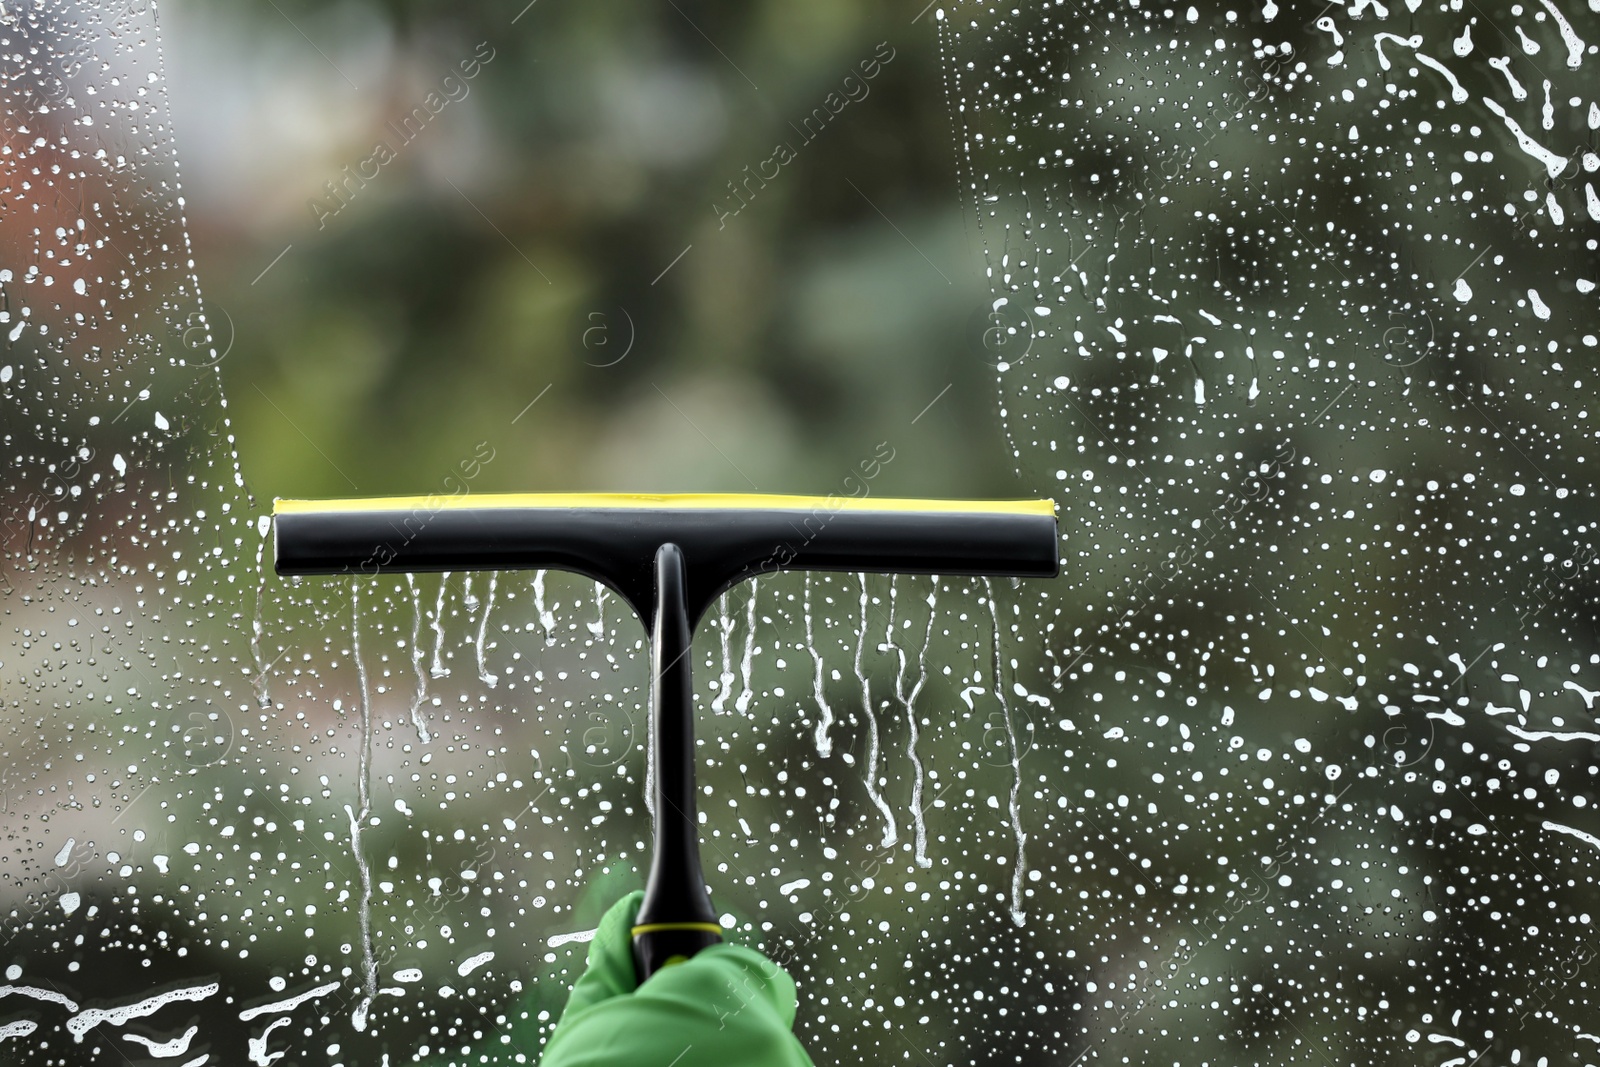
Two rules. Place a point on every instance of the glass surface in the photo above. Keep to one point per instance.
(1289, 309)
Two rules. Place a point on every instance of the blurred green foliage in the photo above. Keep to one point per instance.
(522, 241)
(551, 268)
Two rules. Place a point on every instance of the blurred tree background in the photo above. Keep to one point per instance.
(598, 216)
(743, 246)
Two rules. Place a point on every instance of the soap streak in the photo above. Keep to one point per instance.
(484, 674)
(557, 940)
(908, 701)
(358, 819)
(474, 962)
(439, 670)
(90, 1018)
(163, 1050)
(890, 834)
(421, 694)
(747, 663)
(256, 1044)
(725, 638)
(49, 996)
(20, 1028)
(257, 628)
(1572, 831)
(547, 618)
(1574, 43)
(824, 742)
(1019, 870)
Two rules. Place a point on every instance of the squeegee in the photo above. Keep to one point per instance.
(669, 557)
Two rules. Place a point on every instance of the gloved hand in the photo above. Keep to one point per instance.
(729, 1006)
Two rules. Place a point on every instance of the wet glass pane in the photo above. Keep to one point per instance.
(1288, 309)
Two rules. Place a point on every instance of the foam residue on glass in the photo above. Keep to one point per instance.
(480, 645)
(438, 668)
(1014, 753)
(747, 660)
(257, 624)
(824, 709)
(547, 618)
(1298, 333)
(598, 626)
(723, 623)
(869, 715)
(361, 813)
(908, 701)
(1309, 750)
(420, 695)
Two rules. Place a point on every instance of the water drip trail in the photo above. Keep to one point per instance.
(421, 694)
(908, 701)
(439, 670)
(1019, 870)
(890, 834)
(598, 627)
(825, 722)
(484, 674)
(747, 663)
(263, 696)
(725, 635)
(547, 618)
(650, 770)
(358, 819)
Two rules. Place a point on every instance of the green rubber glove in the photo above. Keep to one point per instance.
(729, 1006)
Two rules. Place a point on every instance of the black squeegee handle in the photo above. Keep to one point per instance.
(724, 544)
(675, 919)
(636, 545)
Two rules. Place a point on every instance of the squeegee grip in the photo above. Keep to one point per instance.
(675, 918)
